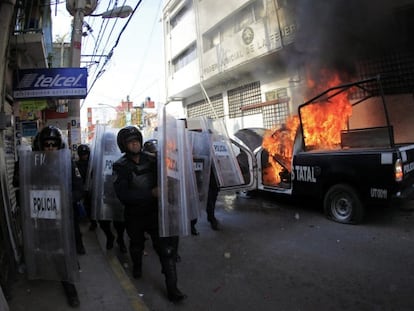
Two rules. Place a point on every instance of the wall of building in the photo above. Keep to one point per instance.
(221, 9)
(234, 50)
(231, 46)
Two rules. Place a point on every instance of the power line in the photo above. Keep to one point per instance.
(111, 52)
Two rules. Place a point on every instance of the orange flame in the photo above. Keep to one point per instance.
(322, 124)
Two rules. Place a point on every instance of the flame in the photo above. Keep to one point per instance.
(279, 144)
(322, 124)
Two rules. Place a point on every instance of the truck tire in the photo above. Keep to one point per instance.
(342, 204)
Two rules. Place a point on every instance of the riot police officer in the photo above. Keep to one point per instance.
(135, 182)
(63, 265)
(82, 163)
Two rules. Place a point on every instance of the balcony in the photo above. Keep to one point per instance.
(30, 50)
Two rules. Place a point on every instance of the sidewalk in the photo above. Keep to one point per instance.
(103, 285)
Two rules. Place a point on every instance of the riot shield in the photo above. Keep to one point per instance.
(200, 143)
(105, 204)
(191, 190)
(224, 160)
(46, 200)
(174, 198)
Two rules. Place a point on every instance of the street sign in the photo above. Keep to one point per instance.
(50, 83)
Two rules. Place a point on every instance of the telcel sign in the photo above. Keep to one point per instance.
(51, 83)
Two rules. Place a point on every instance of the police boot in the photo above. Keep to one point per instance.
(121, 244)
(136, 256)
(80, 248)
(106, 228)
(170, 272)
(71, 294)
(213, 221)
(194, 230)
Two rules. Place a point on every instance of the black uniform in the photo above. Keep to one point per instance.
(134, 185)
(213, 190)
(83, 166)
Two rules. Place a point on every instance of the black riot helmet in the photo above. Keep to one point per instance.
(51, 133)
(83, 150)
(127, 134)
(150, 146)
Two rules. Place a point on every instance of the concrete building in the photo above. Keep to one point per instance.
(25, 42)
(234, 52)
(257, 60)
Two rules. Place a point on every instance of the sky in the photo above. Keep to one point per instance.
(136, 68)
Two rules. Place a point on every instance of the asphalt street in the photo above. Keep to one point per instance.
(273, 254)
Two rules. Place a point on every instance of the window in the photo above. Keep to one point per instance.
(249, 15)
(175, 20)
(276, 114)
(243, 96)
(396, 70)
(187, 56)
(203, 108)
(233, 24)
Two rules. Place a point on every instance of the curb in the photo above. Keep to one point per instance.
(129, 288)
(126, 284)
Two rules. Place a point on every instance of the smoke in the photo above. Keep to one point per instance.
(338, 33)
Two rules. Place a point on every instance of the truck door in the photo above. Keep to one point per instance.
(247, 165)
(232, 160)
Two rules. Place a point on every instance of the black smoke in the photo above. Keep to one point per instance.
(337, 34)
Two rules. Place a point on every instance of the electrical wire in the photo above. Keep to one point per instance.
(102, 69)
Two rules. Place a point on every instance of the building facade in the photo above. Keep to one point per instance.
(233, 56)
(253, 62)
(26, 42)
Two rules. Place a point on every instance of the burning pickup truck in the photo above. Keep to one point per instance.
(330, 157)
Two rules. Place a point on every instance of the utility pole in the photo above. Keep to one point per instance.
(78, 9)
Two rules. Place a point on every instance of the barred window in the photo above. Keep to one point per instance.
(203, 108)
(275, 115)
(396, 71)
(243, 96)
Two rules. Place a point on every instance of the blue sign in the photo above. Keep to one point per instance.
(29, 128)
(51, 83)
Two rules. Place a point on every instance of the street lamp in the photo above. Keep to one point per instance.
(121, 12)
(79, 9)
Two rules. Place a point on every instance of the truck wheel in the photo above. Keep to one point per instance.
(342, 204)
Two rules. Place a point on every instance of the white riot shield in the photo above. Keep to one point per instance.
(172, 160)
(46, 200)
(200, 143)
(105, 204)
(224, 160)
(193, 200)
